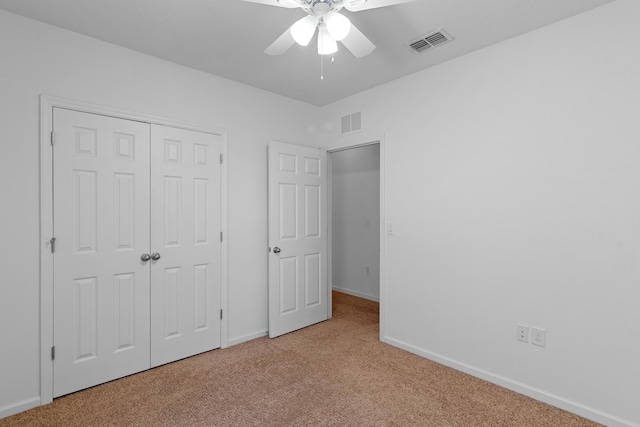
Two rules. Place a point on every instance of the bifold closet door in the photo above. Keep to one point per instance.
(101, 223)
(185, 237)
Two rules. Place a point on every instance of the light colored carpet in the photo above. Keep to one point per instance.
(336, 373)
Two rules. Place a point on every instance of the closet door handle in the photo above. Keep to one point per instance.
(145, 257)
(155, 256)
(276, 250)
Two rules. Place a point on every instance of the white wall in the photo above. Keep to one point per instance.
(512, 180)
(39, 59)
(513, 183)
(355, 205)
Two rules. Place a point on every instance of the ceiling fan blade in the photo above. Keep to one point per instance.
(358, 43)
(372, 4)
(286, 3)
(281, 45)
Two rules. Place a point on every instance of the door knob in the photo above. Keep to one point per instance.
(276, 250)
(145, 257)
(155, 256)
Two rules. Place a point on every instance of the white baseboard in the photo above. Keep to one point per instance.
(17, 407)
(541, 395)
(356, 294)
(249, 337)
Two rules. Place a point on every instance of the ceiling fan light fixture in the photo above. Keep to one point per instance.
(304, 29)
(326, 44)
(338, 25)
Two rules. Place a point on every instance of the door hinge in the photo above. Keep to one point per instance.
(53, 138)
(220, 158)
(52, 243)
(53, 352)
(221, 236)
(220, 314)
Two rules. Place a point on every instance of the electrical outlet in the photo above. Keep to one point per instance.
(522, 333)
(538, 336)
(367, 270)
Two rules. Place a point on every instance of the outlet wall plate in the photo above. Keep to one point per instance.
(538, 336)
(522, 333)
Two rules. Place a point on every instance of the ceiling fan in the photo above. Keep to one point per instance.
(331, 24)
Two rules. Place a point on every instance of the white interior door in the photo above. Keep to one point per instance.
(185, 224)
(298, 294)
(101, 220)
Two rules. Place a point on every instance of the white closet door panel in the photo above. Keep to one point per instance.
(185, 224)
(101, 220)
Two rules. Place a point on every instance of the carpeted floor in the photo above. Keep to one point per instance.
(336, 373)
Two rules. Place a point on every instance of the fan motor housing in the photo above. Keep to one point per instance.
(322, 7)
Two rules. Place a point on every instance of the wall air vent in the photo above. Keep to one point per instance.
(351, 123)
(429, 41)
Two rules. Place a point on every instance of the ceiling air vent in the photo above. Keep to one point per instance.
(431, 40)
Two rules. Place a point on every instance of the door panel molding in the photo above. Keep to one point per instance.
(47, 104)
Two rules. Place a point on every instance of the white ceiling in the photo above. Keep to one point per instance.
(228, 37)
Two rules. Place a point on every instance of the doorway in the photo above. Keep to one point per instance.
(298, 215)
(355, 219)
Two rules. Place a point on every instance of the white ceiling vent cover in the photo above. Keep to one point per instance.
(429, 41)
(351, 123)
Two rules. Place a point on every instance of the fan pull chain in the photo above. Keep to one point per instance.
(333, 59)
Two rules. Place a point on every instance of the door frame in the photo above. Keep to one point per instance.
(347, 146)
(47, 103)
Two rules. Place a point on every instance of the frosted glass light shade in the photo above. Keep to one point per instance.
(304, 29)
(326, 44)
(338, 25)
